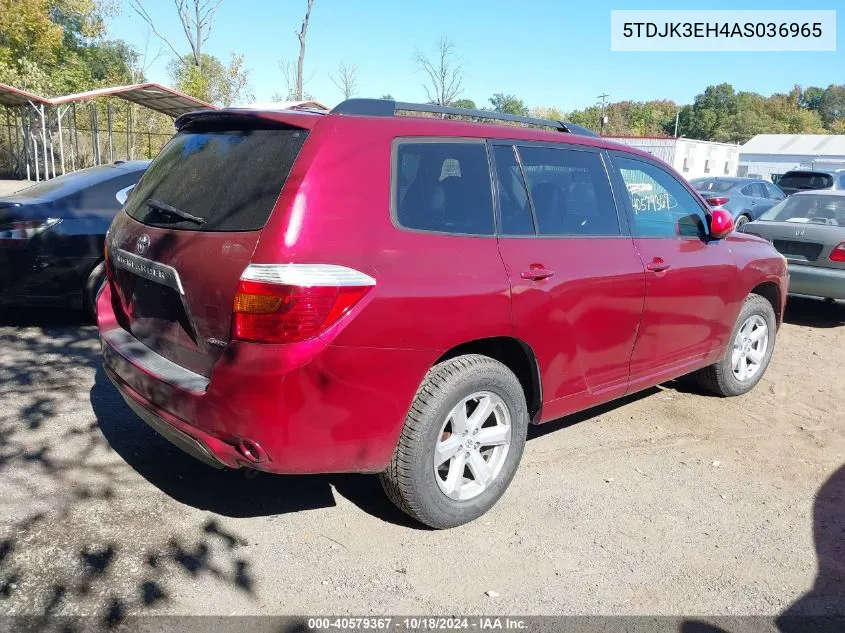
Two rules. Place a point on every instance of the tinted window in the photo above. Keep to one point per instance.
(842, 181)
(662, 206)
(513, 197)
(712, 186)
(569, 191)
(805, 180)
(754, 190)
(444, 187)
(774, 192)
(231, 178)
(816, 209)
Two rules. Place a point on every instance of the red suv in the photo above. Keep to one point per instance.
(301, 292)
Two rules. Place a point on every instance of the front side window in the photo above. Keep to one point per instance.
(662, 206)
(754, 190)
(443, 187)
(569, 191)
(774, 192)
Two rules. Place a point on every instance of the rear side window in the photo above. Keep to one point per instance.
(514, 208)
(569, 191)
(443, 187)
(228, 178)
(805, 180)
(662, 206)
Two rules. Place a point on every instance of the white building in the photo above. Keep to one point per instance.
(772, 155)
(691, 158)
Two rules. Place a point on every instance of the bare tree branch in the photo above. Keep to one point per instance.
(444, 76)
(346, 79)
(136, 5)
(301, 35)
(195, 16)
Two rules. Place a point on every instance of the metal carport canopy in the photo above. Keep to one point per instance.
(14, 97)
(150, 95)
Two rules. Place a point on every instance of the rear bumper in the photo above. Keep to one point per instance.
(816, 281)
(29, 277)
(305, 408)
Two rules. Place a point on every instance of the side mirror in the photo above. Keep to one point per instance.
(721, 224)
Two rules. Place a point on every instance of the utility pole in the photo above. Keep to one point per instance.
(603, 119)
(677, 117)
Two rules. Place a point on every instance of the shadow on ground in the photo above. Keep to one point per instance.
(811, 312)
(71, 540)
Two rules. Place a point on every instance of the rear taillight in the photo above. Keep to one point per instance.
(838, 253)
(717, 202)
(287, 303)
(17, 234)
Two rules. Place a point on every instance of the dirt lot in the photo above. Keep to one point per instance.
(8, 187)
(670, 502)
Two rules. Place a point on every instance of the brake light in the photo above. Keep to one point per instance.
(838, 253)
(17, 234)
(293, 302)
(717, 202)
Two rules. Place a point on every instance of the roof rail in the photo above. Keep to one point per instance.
(385, 108)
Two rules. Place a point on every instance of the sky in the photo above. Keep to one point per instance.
(546, 52)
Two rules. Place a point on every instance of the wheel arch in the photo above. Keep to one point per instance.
(515, 354)
(770, 291)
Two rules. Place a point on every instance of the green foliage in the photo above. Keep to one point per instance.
(464, 103)
(832, 105)
(58, 46)
(213, 82)
(388, 97)
(508, 104)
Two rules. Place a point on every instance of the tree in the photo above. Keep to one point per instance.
(195, 16)
(712, 111)
(464, 103)
(388, 97)
(811, 98)
(508, 104)
(444, 75)
(346, 79)
(212, 81)
(300, 62)
(832, 104)
(548, 113)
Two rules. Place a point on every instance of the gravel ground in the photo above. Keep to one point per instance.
(8, 187)
(668, 502)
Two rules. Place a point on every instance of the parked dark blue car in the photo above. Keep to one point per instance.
(51, 235)
(745, 198)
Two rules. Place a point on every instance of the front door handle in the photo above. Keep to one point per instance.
(537, 274)
(658, 265)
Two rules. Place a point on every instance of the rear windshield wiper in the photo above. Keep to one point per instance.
(166, 208)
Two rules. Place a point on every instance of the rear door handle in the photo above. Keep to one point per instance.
(658, 265)
(537, 274)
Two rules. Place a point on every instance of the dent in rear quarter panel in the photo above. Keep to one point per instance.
(432, 291)
(758, 262)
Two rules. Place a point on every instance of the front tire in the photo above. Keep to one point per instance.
(741, 221)
(461, 444)
(748, 354)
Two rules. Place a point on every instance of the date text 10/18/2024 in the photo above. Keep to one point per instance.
(418, 623)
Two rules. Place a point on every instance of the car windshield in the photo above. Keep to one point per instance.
(809, 208)
(713, 186)
(805, 180)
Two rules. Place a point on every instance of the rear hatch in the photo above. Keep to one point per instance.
(794, 181)
(190, 227)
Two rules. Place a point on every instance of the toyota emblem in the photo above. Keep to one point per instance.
(143, 244)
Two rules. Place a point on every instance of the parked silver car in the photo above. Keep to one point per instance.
(745, 199)
(808, 228)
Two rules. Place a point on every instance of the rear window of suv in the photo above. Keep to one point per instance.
(806, 180)
(227, 179)
(443, 187)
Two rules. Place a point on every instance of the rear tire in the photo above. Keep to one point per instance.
(742, 220)
(749, 351)
(440, 423)
(92, 286)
